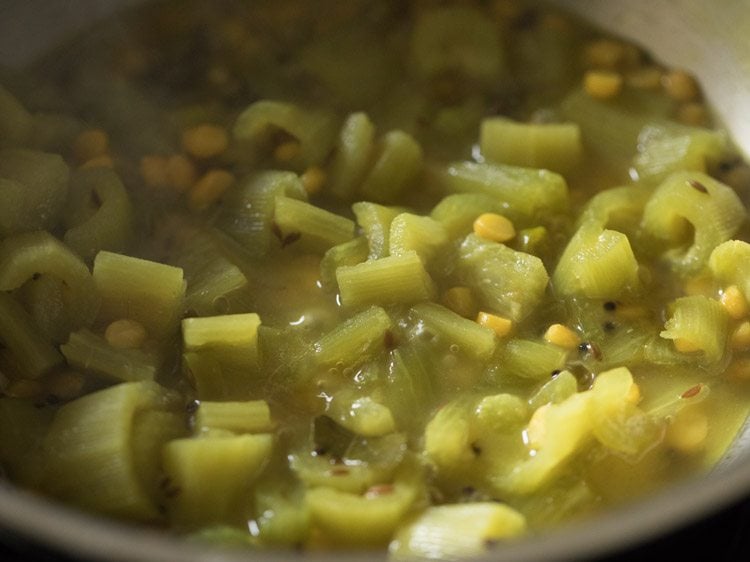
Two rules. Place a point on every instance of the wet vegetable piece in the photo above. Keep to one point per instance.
(413, 275)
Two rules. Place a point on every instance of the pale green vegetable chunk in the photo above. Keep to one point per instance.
(555, 433)
(698, 324)
(362, 416)
(471, 338)
(458, 39)
(42, 297)
(392, 280)
(24, 256)
(666, 147)
(375, 221)
(99, 215)
(229, 330)
(730, 264)
(411, 380)
(152, 428)
(314, 130)
(353, 339)
(458, 212)
(448, 437)
(500, 412)
(552, 146)
(283, 518)
(531, 359)
(618, 208)
(248, 209)
(350, 253)
(508, 282)
(352, 157)
(151, 293)
(618, 423)
(26, 351)
(555, 390)
(527, 195)
(610, 127)
(310, 227)
(90, 451)
(411, 232)
(212, 475)
(690, 214)
(212, 278)
(90, 352)
(376, 460)
(222, 353)
(597, 264)
(396, 166)
(452, 532)
(33, 190)
(369, 519)
(252, 416)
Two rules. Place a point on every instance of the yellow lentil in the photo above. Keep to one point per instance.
(65, 385)
(734, 302)
(688, 430)
(604, 53)
(537, 428)
(644, 78)
(205, 141)
(313, 180)
(461, 301)
(286, 151)
(89, 144)
(154, 171)
(562, 336)
(492, 226)
(602, 84)
(24, 388)
(181, 172)
(693, 113)
(740, 338)
(634, 394)
(680, 86)
(739, 370)
(498, 324)
(125, 334)
(209, 188)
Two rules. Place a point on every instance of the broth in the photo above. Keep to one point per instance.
(417, 275)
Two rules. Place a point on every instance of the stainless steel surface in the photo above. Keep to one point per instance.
(708, 38)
